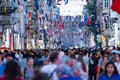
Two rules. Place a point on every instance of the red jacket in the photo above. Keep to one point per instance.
(4, 78)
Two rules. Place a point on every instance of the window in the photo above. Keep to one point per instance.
(106, 3)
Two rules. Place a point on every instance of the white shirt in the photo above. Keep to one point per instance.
(117, 66)
(49, 69)
(17, 56)
(61, 53)
(86, 60)
(114, 51)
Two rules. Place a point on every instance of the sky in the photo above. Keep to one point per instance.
(73, 8)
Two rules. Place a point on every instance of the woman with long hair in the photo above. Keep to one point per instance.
(101, 69)
(29, 70)
(110, 72)
(11, 71)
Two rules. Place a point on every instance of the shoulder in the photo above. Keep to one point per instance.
(70, 78)
(4, 63)
(2, 78)
(48, 68)
(115, 63)
(117, 77)
(103, 76)
(19, 78)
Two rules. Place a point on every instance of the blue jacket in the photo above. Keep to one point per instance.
(105, 77)
(70, 78)
(2, 66)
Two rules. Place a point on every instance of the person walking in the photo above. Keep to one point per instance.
(12, 71)
(110, 73)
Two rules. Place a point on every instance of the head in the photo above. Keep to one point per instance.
(105, 59)
(118, 48)
(66, 52)
(30, 62)
(113, 55)
(40, 76)
(110, 68)
(54, 57)
(12, 70)
(46, 53)
(117, 57)
(114, 47)
(8, 57)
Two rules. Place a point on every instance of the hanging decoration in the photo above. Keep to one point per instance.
(49, 3)
(5, 9)
(66, 2)
(18, 2)
(29, 15)
(36, 4)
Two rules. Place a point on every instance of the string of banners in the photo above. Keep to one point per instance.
(68, 34)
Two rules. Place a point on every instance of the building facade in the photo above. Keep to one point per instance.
(108, 20)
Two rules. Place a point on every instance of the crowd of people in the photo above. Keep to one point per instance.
(63, 64)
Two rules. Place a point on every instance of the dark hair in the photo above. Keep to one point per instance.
(40, 76)
(72, 56)
(53, 56)
(118, 55)
(29, 58)
(105, 57)
(113, 47)
(12, 70)
(115, 69)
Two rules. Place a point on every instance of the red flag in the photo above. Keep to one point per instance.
(6, 1)
(29, 15)
(60, 25)
(88, 20)
(18, 2)
(116, 6)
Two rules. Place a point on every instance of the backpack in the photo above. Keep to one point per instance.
(51, 74)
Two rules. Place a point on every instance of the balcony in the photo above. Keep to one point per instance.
(7, 20)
